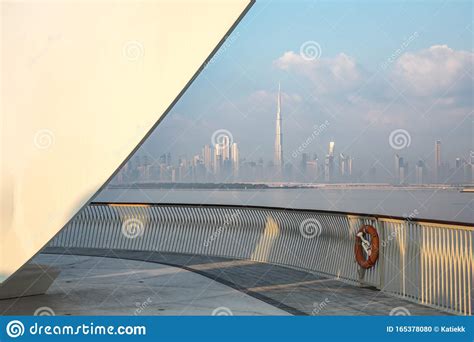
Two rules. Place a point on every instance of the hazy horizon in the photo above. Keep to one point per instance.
(369, 70)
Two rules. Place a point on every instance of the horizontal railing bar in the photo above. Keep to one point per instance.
(449, 224)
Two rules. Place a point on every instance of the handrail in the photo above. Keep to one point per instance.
(322, 211)
(428, 262)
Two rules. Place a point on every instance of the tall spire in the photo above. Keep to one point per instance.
(278, 159)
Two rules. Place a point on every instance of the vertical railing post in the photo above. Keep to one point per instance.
(381, 226)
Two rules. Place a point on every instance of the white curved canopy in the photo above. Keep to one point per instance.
(81, 85)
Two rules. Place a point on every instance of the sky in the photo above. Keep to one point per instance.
(365, 68)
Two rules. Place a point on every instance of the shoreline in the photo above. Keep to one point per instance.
(288, 186)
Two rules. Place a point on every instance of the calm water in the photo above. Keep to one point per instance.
(449, 205)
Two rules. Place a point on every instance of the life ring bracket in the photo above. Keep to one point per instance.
(367, 246)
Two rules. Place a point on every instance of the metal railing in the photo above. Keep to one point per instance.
(428, 262)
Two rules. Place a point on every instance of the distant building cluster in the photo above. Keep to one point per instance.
(221, 162)
(462, 172)
(218, 163)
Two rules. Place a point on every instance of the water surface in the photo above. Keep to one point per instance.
(447, 205)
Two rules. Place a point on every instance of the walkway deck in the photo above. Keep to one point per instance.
(275, 289)
(286, 290)
(107, 286)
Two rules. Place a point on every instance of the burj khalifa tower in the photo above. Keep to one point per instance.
(278, 158)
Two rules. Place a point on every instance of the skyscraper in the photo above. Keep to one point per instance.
(437, 161)
(398, 163)
(331, 148)
(329, 164)
(207, 156)
(217, 159)
(342, 165)
(278, 159)
(327, 169)
(419, 172)
(225, 147)
(349, 166)
(235, 160)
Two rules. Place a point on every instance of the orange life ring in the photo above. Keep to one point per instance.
(367, 252)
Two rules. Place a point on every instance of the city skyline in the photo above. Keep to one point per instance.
(213, 167)
(220, 162)
(418, 81)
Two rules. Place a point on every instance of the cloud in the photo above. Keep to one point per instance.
(431, 80)
(328, 75)
(438, 71)
(421, 91)
(260, 103)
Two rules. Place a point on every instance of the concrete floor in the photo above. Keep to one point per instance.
(106, 286)
(119, 282)
(297, 292)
